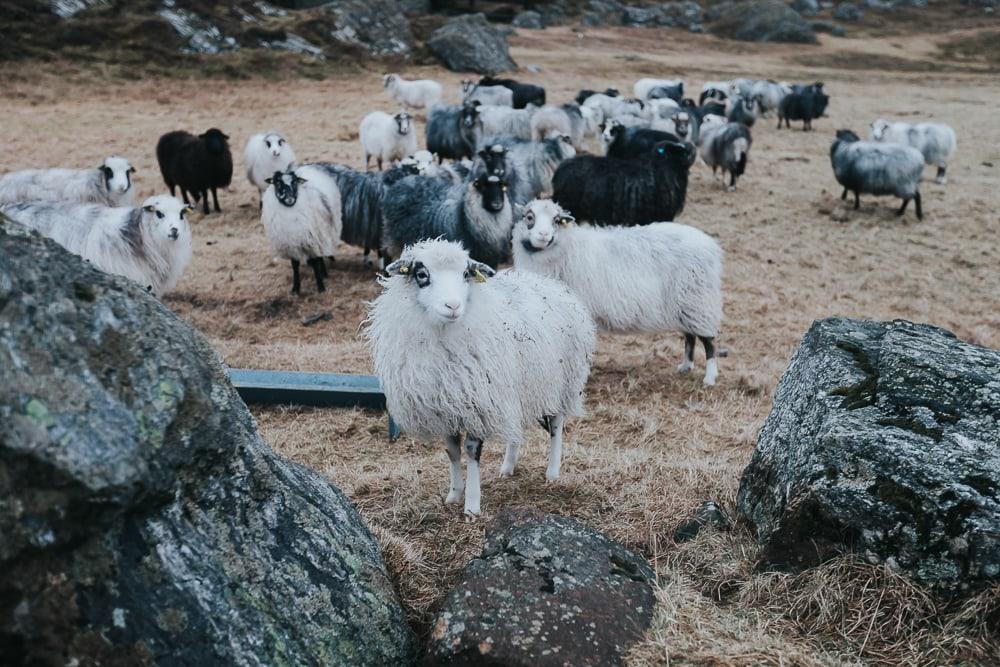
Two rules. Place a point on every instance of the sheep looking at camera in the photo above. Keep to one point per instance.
(441, 335)
(878, 169)
(935, 141)
(454, 131)
(526, 167)
(387, 138)
(421, 93)
(658, 277)
(149, 244)
(805, 103)
(725, 146)
(265, 154)
(109, 184)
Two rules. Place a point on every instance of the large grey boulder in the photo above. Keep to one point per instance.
(760, 21)
(377, 26)
(143, 520)
(529, 20)
(884, 438)
(847, 11)
(468, 43)
(806, 7)
(546, 591)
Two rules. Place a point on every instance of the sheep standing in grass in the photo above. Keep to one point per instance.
(421, 94)
(489, 95)
(743, 110)
(265, 154)
(725, 146)
(506, 121)
(149, 244)
(302, 219)
(387, 138)
(454, 131)
(524, 93)
(805, 103)
(526, 167)
(461, 350)
(658, 277)
(769, 94)
(935, 141)
(613, 107)
(878, 169)
(582, 96)
(196, 164)
(570, 120)
(674, 89)
(109, 184)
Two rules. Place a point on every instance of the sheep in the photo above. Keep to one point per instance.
(582, 96)
(149, 244)
(717, 90)
(524, 93)
(608, 191)
(506, 121)
(660, 108)
(569, 120)
(725, 146)
(302, 219)
(526, 167)
(611, 107)
(109, 184)
(265, 154)
(804, 103)
(387, 138)
(663, 276)
(743, 110)
(878, 169)
(643, 88)
(453, 131)
(685, 126)
(476, 213)
(460, 349)
(492, 95)
(421, 93)
(632, 142)
(769, 94)
(196, 164)
(740, 88)
(935, 141)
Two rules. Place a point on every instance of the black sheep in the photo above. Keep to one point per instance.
(453, 130)
(612, 191)
(807, 104)
(635, 142)
(582, 96)
(196, 164)
(711, 107)
(524, 93)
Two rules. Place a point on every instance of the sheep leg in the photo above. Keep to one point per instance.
(732, 181)
(368, 159)
(184, 194)
(317, 266)
(321, 262)
(510, 459)
(296, 279)
(902, 209)
(555, 447)
(688, 363)
(920, 208)
(843, 195)
(941, 178)
(379, 160)
(779, 121)
(215, 199)
(473, 450)
(857, 200)
(456, 485)
(204, 195)
(711, 365)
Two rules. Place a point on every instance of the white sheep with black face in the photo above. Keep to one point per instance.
(109, 184)
(935, 141)
(461, 350)
(387, 138)
(266, 153)
(657, 277)
(150, 244)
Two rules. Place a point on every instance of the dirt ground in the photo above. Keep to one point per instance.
(655, 444)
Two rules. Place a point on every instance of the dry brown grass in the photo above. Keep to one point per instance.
(655, 444)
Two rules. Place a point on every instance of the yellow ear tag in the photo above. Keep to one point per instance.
(479, 277)
(404, 269)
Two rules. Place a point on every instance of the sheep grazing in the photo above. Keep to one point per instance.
(805, 103)
(109, 184)
(662, 276)
(582, 96)
(492, 95)
(632, 142)
(387, 138)
(196, 164)
(725, 146)
(526, 167)
(475, 213)
(149, 244)
(441, 335)
(524, 93)
(420, 94)
(935, 141)
(878, 169)
(611, 191)
(769, 94)
(570, 120)
(453, 131)
(643, 88)
(506, 121)
(302, 219)
(743, 110)
(265, 154)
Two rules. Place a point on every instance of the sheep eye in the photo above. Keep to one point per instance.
(268, 143)
(422, 276)
(159, 214)
(281, 142)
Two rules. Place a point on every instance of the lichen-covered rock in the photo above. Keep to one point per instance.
(642, 16)
(377, 26)
(687, 15)
(760, 21)
(143, 520)
(546, 591)
(883, 439)
(847, 11)
(199, 34)
(468, 43)
(529, 20)
(806, 7)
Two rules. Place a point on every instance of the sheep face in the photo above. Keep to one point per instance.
(165, 220)
(387, 80)
(611, 130)
(539, 227)
(275, 144)
(493, 193)
(404, 123)
(682, 125)
(678, 153)
(470, 115)
(879, 128)
(215, 140)
(286, 186)
(495, 160)
(442, 275)
(117, 174)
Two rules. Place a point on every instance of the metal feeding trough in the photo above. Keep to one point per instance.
(324, 390)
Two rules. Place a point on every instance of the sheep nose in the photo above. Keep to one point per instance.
(174, 233)
(452, 305)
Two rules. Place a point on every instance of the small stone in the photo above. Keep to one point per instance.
(708, 514)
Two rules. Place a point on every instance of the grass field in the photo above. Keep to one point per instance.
(655, 444)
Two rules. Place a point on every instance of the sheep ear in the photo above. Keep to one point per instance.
(480, 272)
(131, 170)
(399, 267)
(565, 219)
(483, 154)
(299, 179)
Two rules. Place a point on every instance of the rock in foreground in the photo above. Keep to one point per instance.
(468, 43)
(761, 21)
(546, 591)
(884, 439)
(143, 520)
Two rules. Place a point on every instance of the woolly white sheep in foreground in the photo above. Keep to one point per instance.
(657, 277)
(150, 245)
(421, 93)
(935, 141)
(265, 154)
(461, 350)
(387, 138)
(109, 184)
(302, 219)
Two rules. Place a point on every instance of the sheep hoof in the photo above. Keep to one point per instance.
(471, 516)
(453, 497)
(731, 188)
(550, 476)
(505, 472)
(685, 366)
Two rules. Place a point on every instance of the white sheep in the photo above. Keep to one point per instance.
(935, 141)
(460, 349)
(656, 277)
(421, 93)
(769, 94)
(265, 154)
(303, 219)
(492, 95)
(150, 244)
(613, 107)
(506, 121)
(109, 184)
(642, 87)
(387, 138)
